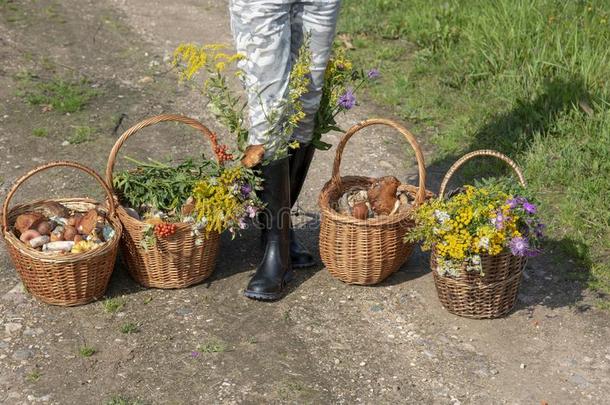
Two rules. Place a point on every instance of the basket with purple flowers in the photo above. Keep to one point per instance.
(480, 237)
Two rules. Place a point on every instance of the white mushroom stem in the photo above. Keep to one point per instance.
(62, 246)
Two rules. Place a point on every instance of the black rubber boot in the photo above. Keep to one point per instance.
(300, 160)
(275, 270)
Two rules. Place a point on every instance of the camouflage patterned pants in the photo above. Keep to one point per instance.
(270, 33)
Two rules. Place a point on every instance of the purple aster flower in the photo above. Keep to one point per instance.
(246, 189)
(529, 208)
(373, 74)
(347, 100)
(539, 231)
(515, 202)
(194, 354)
(499, 220)
(242, 223)
(251, 211)
(519, 246)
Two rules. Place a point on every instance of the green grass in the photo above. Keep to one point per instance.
(113, 305)
(33, 376)
(40, 132)
(527, 78)
(86, 351)
(213, 346)
(121, 400)
(129, 328)
(65, 96)
(80, 135)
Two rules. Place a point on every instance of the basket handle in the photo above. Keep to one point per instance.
(421, 166)
(151, 121)
(481, 152)
(49, 165)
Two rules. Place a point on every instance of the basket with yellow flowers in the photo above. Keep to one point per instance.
(480, 239)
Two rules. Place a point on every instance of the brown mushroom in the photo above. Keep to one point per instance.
(360, 210)
(28, 221)
(253, 155)
(87, 224)
(69, 232)
(55, 209)
(382, 195)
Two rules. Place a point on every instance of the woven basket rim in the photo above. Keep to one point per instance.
(328, 211)
(12, 239)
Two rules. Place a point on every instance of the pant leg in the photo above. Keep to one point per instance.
(261, 30)
(319, 19)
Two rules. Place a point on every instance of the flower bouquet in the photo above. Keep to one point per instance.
(480, 239)
(341, 83)
(213, 62)
(173, 215)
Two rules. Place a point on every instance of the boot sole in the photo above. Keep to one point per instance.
(288, 277)
(262, 296)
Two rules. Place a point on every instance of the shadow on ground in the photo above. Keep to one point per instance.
(512, 133)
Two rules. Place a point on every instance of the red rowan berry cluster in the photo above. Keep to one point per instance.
(220, 150)
(164, 230)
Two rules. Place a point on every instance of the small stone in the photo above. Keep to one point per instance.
(22, 354)
(184, 311)
(377, 308)
(146, 79)
(493, 371)
(65, 143)
(587, 359)
(12, 327)
(579, 380)
(337, 361)
(456, 328)
(362, 364)
(522, 366)
(15, 295)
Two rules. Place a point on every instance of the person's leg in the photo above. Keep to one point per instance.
(318, 20)
(261, 29)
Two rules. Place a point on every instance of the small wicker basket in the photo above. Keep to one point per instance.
(471, 294)
(366, 251)
(62, 279)
(177, 261)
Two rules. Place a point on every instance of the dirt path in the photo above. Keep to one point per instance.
(325, 342)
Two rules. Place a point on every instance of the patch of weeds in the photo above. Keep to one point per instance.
(40, 132)
(33, 376)
(148, 300)
(81, 134)
(129, 327)
(213, 346)
(113, 305)
(290, 389)
(86, 351)
(252, 340)
(286, 316)
(121, 400)
(63, 96)
(11, 11)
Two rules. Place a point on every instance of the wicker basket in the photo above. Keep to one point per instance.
(366, 251)
(470, 294)
(62, 279)
(177, 261)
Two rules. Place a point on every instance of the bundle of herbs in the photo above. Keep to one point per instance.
(208, 195)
